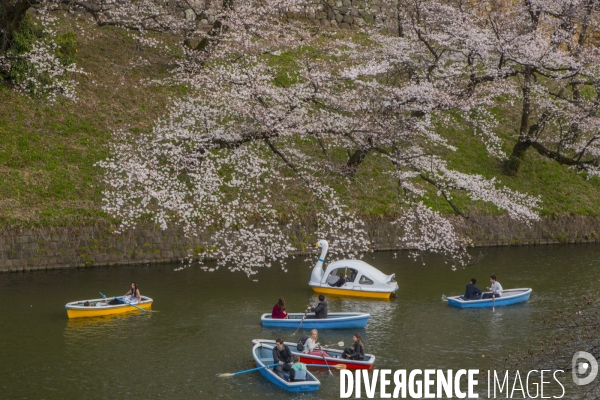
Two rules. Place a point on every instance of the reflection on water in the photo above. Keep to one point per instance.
(92, 328)
(207, 320)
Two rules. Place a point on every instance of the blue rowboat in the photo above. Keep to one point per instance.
(263, 355)
(340, 320)
(510, 296)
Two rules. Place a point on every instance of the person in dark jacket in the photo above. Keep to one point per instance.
(472, 292)
(321, 309)
(283, 356)
(356, 352)
(341, 282)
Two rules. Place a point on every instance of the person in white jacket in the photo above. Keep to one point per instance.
(495, 287)
(312, 346)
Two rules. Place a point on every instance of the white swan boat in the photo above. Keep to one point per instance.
(364, 280)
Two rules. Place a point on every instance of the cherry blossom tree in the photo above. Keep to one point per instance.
(264, 95)
(552, 47)
(38, 49)
(139, 15)
(543, 57)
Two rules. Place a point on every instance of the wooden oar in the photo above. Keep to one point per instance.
(325, 359)
(336, 366)
(301, 322)
(123, 301)
(225, 375)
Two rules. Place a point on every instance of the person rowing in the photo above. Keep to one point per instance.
(133, 296)
(495, 287)
(321, 309)
(312, 346)
(283, 357)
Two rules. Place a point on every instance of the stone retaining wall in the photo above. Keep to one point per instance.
(342, 14)
(50, 248)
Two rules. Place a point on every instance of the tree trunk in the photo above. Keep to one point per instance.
(400, 24)
(355, 160)
(511, 166)
(11, 15)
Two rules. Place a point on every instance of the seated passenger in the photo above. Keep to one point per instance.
(279, 310)
(357, 351)
(340, 282)
(299, 369)
(472, 292)
(352, 276)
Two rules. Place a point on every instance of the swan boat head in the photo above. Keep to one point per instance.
(317, 272)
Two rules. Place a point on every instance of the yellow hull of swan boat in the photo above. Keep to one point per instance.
(355, 293)
(100, 308)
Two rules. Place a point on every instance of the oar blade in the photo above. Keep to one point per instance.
(336, 366)
(226, 375)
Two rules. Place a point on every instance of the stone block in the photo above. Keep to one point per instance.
(344, 25)
(348, 19)
(325, 23)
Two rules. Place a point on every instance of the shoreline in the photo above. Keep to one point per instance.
(35, 249)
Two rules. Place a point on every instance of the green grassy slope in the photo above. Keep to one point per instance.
(48, 152)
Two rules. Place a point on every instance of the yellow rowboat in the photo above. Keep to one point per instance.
(350, 278)
(100, 307)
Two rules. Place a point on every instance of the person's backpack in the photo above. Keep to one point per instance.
(301, 342)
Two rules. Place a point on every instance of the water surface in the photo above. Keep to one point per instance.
(205, 321)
